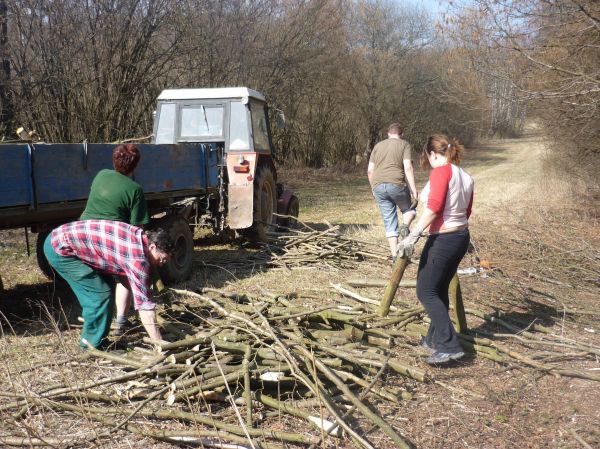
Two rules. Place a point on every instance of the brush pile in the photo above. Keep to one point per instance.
(237, 360)
(249, 372)
(304, 247)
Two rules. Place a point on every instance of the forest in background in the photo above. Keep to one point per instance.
(341, 70)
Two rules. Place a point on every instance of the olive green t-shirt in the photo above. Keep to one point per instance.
(388, 159)
(114, 196)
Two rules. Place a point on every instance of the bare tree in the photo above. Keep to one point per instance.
(549, 60)
(385, 37)
(88, 70)
(6, 107)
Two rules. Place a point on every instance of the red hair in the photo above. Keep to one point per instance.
(450, 148)
(125, 158)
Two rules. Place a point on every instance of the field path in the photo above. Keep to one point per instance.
(506, 170)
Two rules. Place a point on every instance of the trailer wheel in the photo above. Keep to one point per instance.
(265, 204)
(179, 267)
(42, 262)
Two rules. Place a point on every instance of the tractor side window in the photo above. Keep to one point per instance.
(165, 131)
(239, 133)
(259, 126)
(201, 121)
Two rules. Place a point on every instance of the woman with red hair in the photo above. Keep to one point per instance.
(115, 196)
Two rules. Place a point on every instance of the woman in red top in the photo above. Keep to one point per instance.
(448, 198)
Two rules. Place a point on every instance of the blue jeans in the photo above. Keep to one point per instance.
(388, 197)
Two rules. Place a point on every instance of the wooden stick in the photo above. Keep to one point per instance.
(390, 289)
(458, 308)
(356, 296)
(365, 410)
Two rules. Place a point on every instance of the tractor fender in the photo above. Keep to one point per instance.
(241, 186)
(240, 189)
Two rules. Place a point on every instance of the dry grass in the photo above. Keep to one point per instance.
(524, 223)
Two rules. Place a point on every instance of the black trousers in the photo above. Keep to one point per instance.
(440, 258)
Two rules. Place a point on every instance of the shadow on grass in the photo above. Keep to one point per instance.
(485, 155)
(535, 313)
(29, 309)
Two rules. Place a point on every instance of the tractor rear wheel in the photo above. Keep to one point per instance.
(179, 267)
(265, 205)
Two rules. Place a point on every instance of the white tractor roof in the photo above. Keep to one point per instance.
(203, 94)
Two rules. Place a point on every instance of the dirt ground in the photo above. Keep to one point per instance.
(541, 253)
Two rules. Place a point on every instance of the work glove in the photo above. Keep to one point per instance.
(406, 247)
(404, 231)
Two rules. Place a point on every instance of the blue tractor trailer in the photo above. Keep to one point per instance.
(210, 164)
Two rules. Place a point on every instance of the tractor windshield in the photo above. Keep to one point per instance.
(202, 121)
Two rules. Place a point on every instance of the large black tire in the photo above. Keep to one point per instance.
(179, 267)
(42, 262)
(292, 211)
(265, 205)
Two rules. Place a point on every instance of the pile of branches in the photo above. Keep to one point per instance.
(304, 247)
(245, 356)
(489, 343)
(236, 360)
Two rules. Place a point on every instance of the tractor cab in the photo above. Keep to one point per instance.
(234, 120)
(236, 116)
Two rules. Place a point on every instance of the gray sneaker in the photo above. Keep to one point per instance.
(441, 358)
(122, 327)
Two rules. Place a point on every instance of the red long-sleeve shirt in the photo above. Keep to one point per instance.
(449, 194)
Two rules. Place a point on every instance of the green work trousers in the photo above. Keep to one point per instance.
(93, 292)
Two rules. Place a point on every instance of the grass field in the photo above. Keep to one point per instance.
(544, 253)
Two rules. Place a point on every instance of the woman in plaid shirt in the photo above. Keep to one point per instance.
(86, 253)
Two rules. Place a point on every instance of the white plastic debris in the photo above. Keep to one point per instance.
(272, 376)
(325, 425)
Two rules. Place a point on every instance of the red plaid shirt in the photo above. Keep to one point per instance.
(111, 247)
